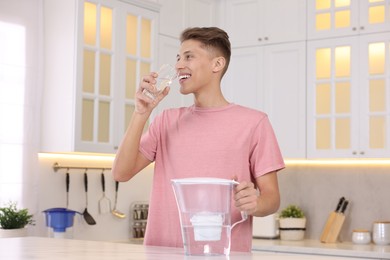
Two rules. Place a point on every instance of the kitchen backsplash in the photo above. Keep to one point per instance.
(52, 193)
(316, 189)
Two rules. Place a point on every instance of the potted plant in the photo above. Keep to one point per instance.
(292, 223)
(13, 221)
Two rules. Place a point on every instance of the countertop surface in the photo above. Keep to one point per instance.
(51, 248)
(347, 249)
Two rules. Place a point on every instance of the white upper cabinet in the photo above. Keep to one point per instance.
(340, 18)
(272, 79)
(95, 54)
(253, 22)
(348, 95)
(176, 15)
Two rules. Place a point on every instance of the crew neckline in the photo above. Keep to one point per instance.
(212, 109)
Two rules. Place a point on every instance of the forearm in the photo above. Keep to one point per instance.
(267, 204)
(125, 163)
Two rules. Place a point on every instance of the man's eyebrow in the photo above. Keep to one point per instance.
(184, 53)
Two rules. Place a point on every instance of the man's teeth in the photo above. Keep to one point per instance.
(184, 76)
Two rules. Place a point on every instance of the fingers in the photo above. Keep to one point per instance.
(246, 197)
(148, 83)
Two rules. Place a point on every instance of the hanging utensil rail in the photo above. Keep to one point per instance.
(57, 166)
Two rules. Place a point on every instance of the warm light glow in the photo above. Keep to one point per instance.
(332, 162)
(78, 156)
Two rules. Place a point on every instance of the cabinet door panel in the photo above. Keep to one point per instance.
(375, 93)
(242, 83)
(244, 22)
(284, 20)
(332, 18)
(285, 93)
(333, 98)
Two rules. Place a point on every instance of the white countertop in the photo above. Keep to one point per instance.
(347, 249)
(24, 248)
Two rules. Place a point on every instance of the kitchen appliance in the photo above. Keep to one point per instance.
(204, 208)
(266, 227)
(60, 221)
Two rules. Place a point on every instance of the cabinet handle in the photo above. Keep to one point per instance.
(353, 28)
(361, 152)
(116, 147)
(266, 38)
(259, 39)
(354, 152)
(361, 27)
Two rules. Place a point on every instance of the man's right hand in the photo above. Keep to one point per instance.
(143, 103)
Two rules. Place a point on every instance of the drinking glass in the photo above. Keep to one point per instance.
(166, 74)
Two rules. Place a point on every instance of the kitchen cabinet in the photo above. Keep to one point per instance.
(348, 95)
(340, 18)
(272, 79)
(253, 22)
(95, 52)
(175, 15)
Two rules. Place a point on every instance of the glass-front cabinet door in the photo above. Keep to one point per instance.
(375, 106)
(332, 98)
(348, 97)
(340, 18)
(117, 48)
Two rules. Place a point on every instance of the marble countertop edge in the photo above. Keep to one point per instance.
(346, 249)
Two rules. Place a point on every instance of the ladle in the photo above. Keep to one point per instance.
(88, 218)
(115, 212)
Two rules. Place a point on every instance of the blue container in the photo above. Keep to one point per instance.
(59, 218)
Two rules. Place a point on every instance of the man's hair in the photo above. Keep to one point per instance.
(210, 37)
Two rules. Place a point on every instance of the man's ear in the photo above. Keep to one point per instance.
(219, 64)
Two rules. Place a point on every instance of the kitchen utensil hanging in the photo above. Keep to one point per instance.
(104, 202)
(88, 218)
(116, 212)
(67, 182)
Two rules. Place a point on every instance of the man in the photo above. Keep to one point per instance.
(212, 138)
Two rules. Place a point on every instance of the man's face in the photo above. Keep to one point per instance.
(195, 66)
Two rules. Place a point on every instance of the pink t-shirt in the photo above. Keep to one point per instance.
(232, 141)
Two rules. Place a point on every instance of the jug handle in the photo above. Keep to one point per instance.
(244, 215)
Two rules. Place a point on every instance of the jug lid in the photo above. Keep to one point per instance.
(206, 180)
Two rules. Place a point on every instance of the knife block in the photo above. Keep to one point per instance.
(331, 234)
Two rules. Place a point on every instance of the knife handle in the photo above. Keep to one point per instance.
(344, 207)
(341, 201)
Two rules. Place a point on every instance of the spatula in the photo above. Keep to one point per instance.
(104, 202)
(88, 218)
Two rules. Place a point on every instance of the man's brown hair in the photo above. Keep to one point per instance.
(211, 37)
